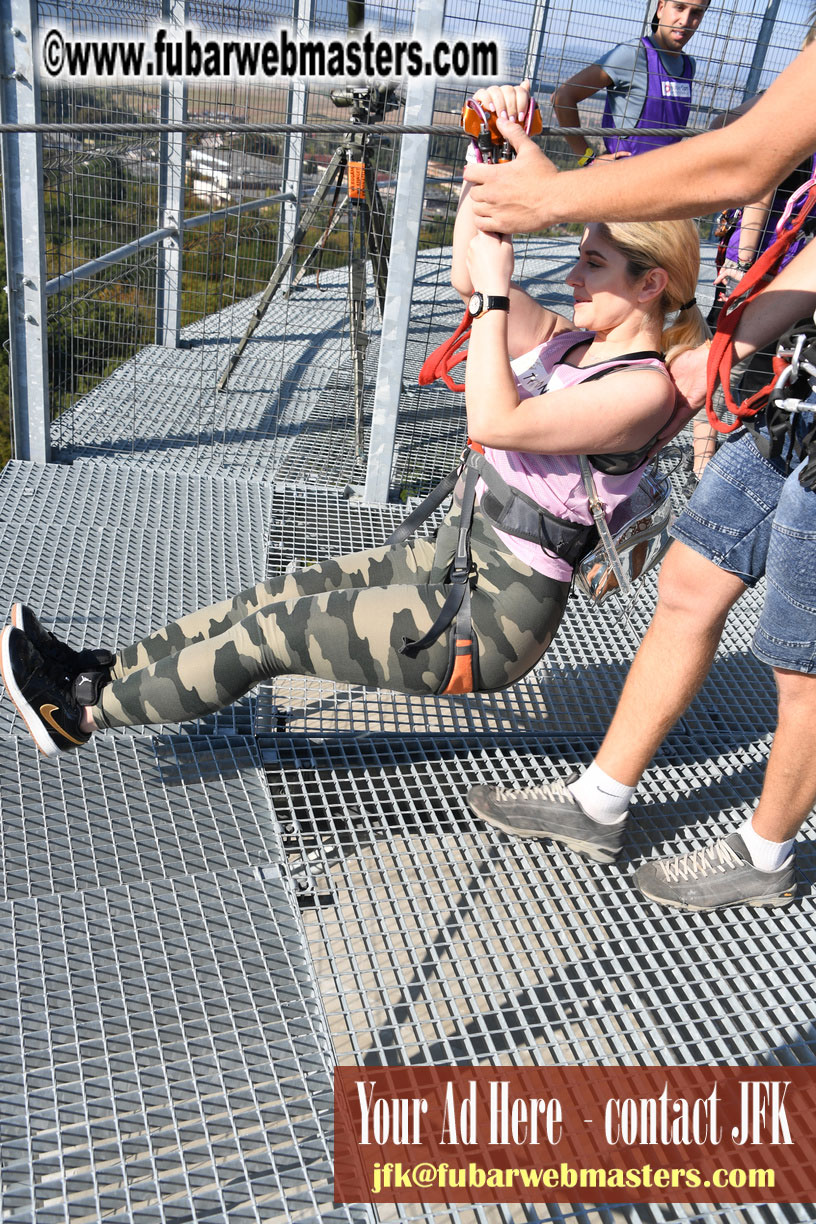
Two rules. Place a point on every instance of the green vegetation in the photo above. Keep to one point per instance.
(102, 198)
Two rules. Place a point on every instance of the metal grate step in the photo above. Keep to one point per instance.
(125, 810)
(163, 1056)
(140, 548)
(437, 939)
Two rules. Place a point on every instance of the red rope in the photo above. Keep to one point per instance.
(721, 354)
(442, 360)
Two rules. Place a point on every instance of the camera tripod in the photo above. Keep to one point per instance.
(368, 236)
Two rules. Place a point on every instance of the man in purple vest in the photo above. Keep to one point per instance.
(647, 83)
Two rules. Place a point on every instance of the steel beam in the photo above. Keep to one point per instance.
(405, 226)
(172, 152)
(295, 142)
(25, 232)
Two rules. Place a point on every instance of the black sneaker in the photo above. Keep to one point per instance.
(88, 669)
(717, 875)
(550, 811)
(45, 702)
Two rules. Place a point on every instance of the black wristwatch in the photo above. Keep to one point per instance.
(480, 303)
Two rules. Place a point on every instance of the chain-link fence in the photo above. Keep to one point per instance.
(176, 309)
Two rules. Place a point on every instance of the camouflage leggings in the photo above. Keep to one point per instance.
(341, 620)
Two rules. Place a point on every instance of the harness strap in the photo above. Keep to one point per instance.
(425, 509)
(459, 575)
(511, 511)
(519, 515)
(795, 377)
(721, 354)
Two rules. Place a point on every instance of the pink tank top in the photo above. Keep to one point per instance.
(554, 481)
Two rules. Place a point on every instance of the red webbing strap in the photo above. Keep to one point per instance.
(442, 360)
(721, 354)
(477, 122)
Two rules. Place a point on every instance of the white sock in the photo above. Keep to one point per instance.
(601, 797)
(765, 855)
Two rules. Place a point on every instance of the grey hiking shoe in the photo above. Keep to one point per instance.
(719, 874)
(550, 811)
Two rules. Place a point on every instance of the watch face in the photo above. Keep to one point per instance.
(476, 304)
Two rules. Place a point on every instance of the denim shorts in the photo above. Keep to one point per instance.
(750, 518)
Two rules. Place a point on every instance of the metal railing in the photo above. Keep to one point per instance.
(99, 188)
(86, 271)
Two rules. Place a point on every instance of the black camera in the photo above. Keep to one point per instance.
(369, 103)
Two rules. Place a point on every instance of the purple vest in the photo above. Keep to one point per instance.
(668, 102)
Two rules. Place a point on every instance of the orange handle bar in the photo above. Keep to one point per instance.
(472, 123)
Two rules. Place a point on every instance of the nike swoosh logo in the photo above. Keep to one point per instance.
(46, 713)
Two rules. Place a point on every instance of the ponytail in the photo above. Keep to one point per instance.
(675, 247)
(689, 330)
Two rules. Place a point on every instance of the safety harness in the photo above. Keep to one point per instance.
(793, 365)
(507, 509)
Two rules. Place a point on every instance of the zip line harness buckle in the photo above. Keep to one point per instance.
(487, 141)
(489, 146)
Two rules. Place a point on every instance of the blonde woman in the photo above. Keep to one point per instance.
(541, 389)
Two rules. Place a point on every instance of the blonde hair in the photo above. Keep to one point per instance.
(675, 247)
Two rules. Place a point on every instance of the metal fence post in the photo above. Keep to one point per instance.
(24, 222)
(761, 49)
(295, 142)
(172, 153)
(405, 226)
(535, 42)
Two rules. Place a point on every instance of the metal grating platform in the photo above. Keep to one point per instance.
(193, 944)
(128, 810)
(106, 553)
(161, 1041)
(96, 496)
(286, 413)
(437, 939)
(163, 1056)
(188, 426)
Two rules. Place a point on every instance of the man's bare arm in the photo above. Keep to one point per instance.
(567, 97)
(789, 297)
(717, 169)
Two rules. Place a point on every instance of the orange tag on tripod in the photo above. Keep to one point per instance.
(356, 180)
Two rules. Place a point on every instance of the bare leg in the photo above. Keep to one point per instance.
(671, 664)
(789, 789)
(755, 865)
(704, 446)
(674, 658)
